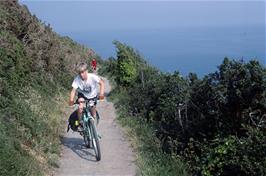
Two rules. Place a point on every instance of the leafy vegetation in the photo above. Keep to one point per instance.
(215, 124)
(36, 68)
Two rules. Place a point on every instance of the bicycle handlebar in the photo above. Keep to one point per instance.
(88, 100)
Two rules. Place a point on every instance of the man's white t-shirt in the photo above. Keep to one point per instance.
(87, 87)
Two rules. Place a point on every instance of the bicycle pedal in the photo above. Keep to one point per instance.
(80, 131)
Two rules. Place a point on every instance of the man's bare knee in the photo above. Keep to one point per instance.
(81, 105)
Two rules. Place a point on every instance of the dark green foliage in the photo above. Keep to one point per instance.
(234, 110)
(226, 97)
(235, 156)
(14, 63)
(217, 123)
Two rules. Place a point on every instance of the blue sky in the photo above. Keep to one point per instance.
(80, 16)
(190, 36)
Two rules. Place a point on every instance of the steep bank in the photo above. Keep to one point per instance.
(36, 68)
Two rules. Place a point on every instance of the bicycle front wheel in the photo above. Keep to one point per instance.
(87, 137)
(95, 141)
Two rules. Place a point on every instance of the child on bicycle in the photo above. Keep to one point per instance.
(85, 84)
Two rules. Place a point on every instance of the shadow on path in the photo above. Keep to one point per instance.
(78, 147)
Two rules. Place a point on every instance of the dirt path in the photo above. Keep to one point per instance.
(117, 156)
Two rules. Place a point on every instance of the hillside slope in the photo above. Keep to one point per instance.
(36, 68)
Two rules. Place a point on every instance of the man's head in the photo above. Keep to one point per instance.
(82, 69)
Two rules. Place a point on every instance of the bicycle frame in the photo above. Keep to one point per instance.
(86, 117)
(90, 133)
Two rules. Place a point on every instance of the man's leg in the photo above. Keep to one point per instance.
(93, 111)
(81, 106)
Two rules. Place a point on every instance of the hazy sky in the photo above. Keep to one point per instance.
(80, 16)
(190, 36)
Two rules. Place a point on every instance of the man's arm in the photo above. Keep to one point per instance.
(72, 95)
(101, 83)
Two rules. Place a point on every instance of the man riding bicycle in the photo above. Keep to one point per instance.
(86, 85)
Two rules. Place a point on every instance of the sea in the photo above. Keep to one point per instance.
(195, 49)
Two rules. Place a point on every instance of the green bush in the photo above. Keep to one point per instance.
(216, 123)
(232, 155)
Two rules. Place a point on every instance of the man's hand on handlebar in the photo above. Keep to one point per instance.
(71, 102)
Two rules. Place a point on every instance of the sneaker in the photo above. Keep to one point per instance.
(81, 133)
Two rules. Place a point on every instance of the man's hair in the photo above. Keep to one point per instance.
(81, 67)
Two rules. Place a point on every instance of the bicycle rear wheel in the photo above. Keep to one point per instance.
(95, 141)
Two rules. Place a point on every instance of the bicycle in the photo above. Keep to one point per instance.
(89, 133)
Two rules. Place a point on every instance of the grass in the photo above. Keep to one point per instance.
(30, 128)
